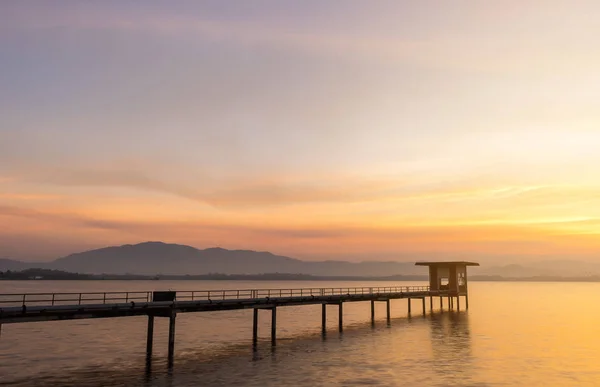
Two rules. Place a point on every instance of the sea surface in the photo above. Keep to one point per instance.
(514, 334)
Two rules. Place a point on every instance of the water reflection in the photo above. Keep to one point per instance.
(451, 345)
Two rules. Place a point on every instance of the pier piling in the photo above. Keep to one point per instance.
(341, 317)
(409, 299)
(323, 319)
(171, 338)
(372, 311)
(389, 315)
(273, 326)
(255, 328)
(149, 336)
(423, 302)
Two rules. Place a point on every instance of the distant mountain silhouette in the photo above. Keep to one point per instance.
(161, 258)
(10, 264)
(151, 258)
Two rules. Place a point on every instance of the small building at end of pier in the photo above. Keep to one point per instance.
(448, 277)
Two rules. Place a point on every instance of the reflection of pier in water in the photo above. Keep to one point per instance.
(446, 280)
(451, 344)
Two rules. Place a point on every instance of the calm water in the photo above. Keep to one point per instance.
(515, 334)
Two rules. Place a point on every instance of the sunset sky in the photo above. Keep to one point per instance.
(358, 130)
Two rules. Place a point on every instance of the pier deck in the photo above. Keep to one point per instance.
(18, 308)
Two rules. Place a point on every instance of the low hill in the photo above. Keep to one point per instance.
(151, 258)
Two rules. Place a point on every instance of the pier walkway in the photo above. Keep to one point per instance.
(37, 307)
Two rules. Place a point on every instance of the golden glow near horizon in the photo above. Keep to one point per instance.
(395, 131)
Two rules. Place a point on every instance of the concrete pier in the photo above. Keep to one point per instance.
(39, 307)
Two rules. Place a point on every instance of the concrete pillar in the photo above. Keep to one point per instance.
(409, 305)
(341, 317)
(149, 336)
(273, 326)
(171, 338)
(323, 319)
(387, 305)
(255, 328)
(372, 311)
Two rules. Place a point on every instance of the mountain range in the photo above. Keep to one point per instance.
(151, 258)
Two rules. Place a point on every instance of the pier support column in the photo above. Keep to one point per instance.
(171, 338)
(441, 303)
(388, 309)
(341, 317)
(373, 311)
(431, 303)
(149, 336)
(467, 301)
(449, 303)
(409, 299)
(423, 302)
(457, 302)
(273, 326)
(323, 319)
(255, 328)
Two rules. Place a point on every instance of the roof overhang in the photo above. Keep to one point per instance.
(447, 263)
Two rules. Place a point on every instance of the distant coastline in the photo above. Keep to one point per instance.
(59, 275)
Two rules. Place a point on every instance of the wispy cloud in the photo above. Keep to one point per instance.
(271, 191)
(464, 53)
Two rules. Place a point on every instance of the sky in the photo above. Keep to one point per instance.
(355, 130)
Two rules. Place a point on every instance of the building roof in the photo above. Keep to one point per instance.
(447, 263)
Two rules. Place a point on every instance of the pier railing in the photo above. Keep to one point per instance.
(26, 299)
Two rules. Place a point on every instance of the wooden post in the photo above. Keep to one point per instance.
(171, 338)
(441, 303)
(389, 315)
(423, 301)
(467, 300)
(457, 302)
(372, 311)
(149, 336)
(431, 303)
(255, 328)
(323, 319)
(409, 305)
(341, 317)
(273, 326)
(450, 303)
